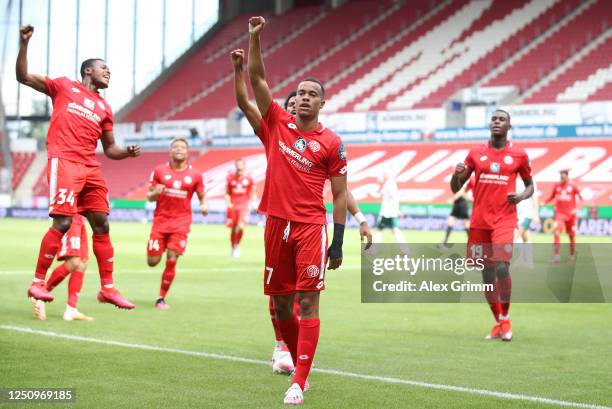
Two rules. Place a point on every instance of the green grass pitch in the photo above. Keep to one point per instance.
(560, 352)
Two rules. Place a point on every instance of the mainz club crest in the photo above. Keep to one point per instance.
(314, 146)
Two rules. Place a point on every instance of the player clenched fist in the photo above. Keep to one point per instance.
(256, 24)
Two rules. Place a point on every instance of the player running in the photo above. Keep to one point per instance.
(566, 196)
(239, 191)
(172, 186)
(281, 358)
(528, 212)
(80, 117)
(495, 164)
(460, 211)
(301, 155)
(75, 253)
(389, 211)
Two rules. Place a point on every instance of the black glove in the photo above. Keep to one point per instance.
(335, 250)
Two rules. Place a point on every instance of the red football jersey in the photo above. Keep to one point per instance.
(79, 117)
(173, 210)
(495, 176)
(565, 195)
(298, 165)
(240, 190)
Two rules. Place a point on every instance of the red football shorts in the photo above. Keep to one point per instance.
(491, 245)
(74, 242)
(569, 221)
(75, 188)
(295, 256)
(159, 242)
(237, 215)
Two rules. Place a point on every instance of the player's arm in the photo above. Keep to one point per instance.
(114, 151)
(242, 99)
(154, 192)
(253, 196)
(516, 197)
(34, 81)
(364, 229)
(203, 202)
(338, 188)
(256, 68)
(536, 206)
(460, 176)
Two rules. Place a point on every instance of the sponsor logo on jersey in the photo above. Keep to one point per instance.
(342, 152)
(300, 144)
(495, 167)
(508, 160)
(291, 126)
(89, 104)
(312, 271)
(483, 158)
(314, 146)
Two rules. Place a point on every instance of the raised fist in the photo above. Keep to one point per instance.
(256, 24)
(237, 57)
(25, 32)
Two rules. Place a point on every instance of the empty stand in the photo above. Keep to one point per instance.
(21, 162)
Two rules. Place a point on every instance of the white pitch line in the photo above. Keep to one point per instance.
(384, 379)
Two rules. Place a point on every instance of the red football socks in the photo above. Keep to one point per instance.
(493, 300)
(103, 249)
(239, 236)
(167, 277)
(505, 290)
(49, 247)
(307, 345)
(277, 332)
(57, 276)
(572, 238)
(74, 288)
(290, 329)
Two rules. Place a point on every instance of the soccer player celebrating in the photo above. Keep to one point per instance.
(80, 117)
(301, 155)
(281, 358)
(74, 252)
(495, 164)
(172, 186)
(566, 196)
(240, 189)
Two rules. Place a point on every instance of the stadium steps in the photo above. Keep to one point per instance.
(363, 30)
(470, 51)
(382, 61)
(551, 30)
(226, 79)
(588, 89)
(542, 88)
(23, 189)
(605, 92)
(572, 35)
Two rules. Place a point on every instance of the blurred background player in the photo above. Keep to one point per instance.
(281, 358)
(172, 186)
(389, 211)
(528, 213)
(239, 192)
(76, 183)
(302, 154)
(495, 164)
(460, 210)
(566, 196)
(75, 253)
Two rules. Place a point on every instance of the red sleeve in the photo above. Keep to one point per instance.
(154, 178)
(228, 187)
(336, 160)
(525, 167)
(552, 194)
(469, 163)
(199, 184)
(107, 123)
(273, 116)
(53, 86)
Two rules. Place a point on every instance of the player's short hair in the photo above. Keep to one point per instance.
(564, 172)
(316, 81)
(88, 63)
(291, 95)
(505, 112)
(179, 139)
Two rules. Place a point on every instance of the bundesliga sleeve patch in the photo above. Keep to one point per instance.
(342, 152)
